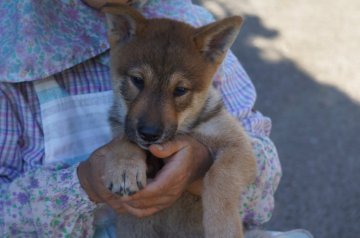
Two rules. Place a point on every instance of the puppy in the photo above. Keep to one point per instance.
(162, 73)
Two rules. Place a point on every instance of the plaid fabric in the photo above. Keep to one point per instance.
(21, 140)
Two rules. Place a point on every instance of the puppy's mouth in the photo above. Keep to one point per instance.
(144, 144)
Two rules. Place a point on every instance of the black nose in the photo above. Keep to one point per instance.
(149, 133)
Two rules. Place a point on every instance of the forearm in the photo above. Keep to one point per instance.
(45, 202)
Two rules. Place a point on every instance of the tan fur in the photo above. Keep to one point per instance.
(152, 62)
(130, 171)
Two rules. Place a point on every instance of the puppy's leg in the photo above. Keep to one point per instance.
(125, 174)
(222, 185)
(233, 169)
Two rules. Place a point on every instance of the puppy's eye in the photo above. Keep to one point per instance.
(180, 91)
(137, 81)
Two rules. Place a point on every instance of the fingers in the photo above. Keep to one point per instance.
(169, 148)
(167, 187)
(151, 190)
(117, 205)
(163, 201)
(169, 181)
(140, 213)
(196, 187)
(153, 198)
(142, 206)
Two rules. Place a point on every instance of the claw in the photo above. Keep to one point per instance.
(127, 191)
(121, 192)
(111, 186)
(139, 184)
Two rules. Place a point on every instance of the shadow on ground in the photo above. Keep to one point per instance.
(316, 133)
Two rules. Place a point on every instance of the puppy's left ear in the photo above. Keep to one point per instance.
(123, 21)
(215, 39)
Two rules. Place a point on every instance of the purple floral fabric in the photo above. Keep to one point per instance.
(36, 40)
(257, 206)
(47, 202)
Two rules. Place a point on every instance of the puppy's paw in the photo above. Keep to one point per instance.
(126, 177)
(126, 174)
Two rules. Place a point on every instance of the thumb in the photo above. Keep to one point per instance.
(169, 148)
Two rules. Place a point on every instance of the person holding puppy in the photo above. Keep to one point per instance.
(55, 95)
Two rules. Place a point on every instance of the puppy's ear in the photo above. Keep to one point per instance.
(215, 39)
(123, 23)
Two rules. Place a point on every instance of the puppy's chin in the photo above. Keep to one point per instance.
(135, 138)
(144, 146)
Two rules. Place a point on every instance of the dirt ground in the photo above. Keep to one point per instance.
(303, 57)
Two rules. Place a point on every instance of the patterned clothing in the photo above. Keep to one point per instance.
(38, 199)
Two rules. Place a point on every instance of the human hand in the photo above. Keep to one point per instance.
(91, 172)
(186, 160)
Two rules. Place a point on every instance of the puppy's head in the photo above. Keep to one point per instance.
(162, 70)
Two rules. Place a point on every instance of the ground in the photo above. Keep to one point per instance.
(303, 57)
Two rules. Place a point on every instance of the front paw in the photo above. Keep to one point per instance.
(126, 173)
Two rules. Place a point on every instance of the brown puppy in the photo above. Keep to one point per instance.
(162, 74)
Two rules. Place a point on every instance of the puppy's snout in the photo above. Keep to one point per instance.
(149, 133)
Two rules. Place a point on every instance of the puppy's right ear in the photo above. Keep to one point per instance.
(123, 23)
(215, 39)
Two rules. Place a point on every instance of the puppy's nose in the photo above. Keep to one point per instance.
(149, 133)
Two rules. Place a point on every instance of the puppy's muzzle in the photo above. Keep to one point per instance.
(149, 133)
